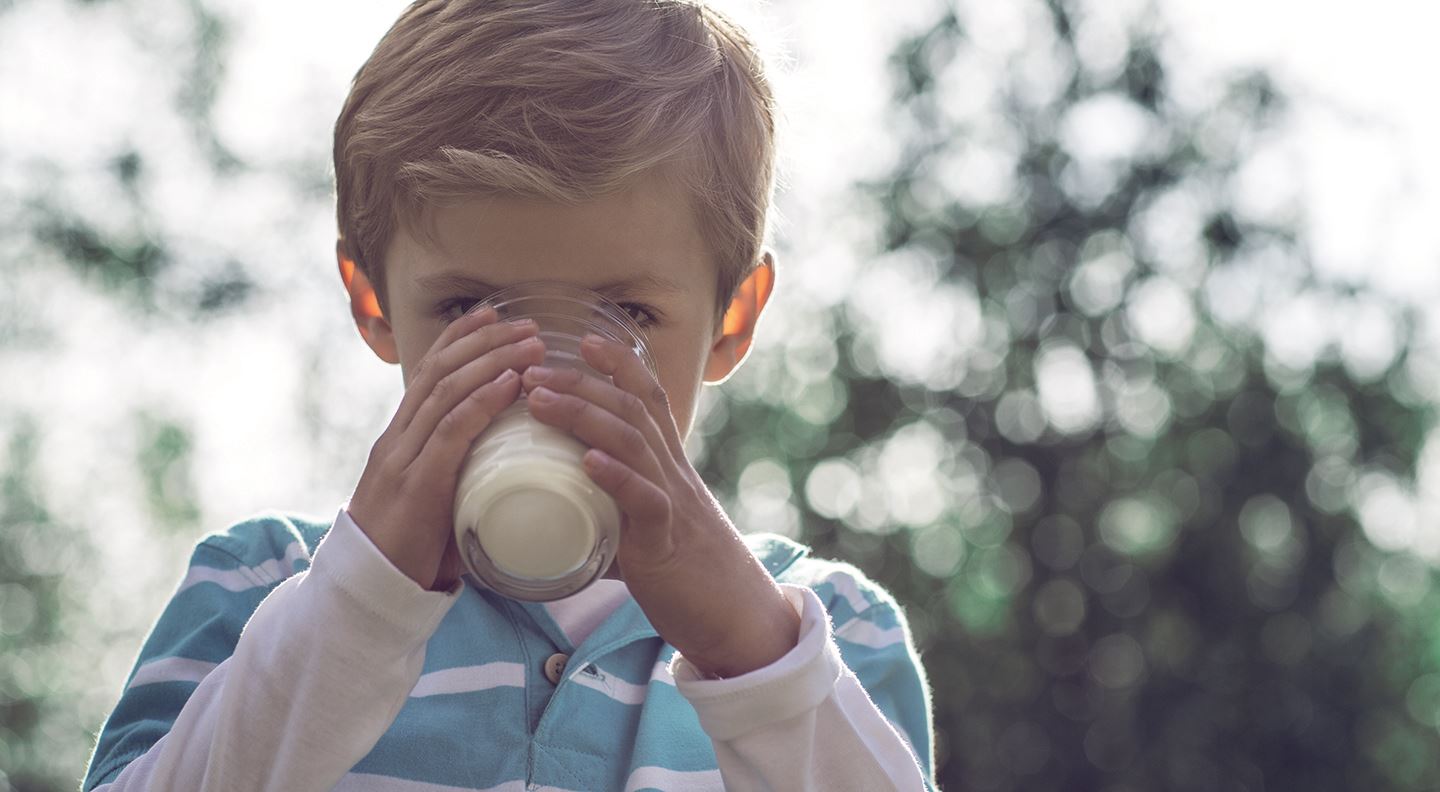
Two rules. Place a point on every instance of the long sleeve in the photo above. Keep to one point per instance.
(318, 672)
(809, 721)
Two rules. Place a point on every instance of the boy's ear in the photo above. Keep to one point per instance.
(737, 328)
(365, 308)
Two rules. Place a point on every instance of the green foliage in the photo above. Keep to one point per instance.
(164, 464)
(1172, 590)
(42, 731)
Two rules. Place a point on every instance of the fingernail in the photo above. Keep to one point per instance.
(522, 322)
(594, 460)
(542, 395)
(593, 340)
(537, 373)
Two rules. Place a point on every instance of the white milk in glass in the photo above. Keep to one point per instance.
(529, 522)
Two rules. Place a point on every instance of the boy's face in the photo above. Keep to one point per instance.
(644, 236)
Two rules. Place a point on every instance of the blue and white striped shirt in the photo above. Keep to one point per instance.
(285, 662)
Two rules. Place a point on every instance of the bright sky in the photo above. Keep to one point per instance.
(1375, 195)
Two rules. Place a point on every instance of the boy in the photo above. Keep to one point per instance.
(622, 145)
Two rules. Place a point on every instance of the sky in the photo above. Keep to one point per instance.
(1374, 193)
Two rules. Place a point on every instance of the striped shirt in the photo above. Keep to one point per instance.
(294, 656)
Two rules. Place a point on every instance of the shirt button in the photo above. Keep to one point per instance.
(555, 666)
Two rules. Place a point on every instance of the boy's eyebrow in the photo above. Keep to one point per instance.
(634, 284)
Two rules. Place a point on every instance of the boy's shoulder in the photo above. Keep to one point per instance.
(844, 589)
(267, 536)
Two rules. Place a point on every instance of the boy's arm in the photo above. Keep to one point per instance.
(285, 714)
(843, 710)
(281, 711)
(794, 714)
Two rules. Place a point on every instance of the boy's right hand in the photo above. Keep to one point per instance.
(405, 499)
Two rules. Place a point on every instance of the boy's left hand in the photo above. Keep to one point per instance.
(681, 557)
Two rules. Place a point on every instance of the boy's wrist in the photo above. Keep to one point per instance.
(762, 634)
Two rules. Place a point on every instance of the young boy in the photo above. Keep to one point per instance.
(625, 146)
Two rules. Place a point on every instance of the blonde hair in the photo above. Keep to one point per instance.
(560, 99)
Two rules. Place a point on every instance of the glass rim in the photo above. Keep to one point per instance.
(588, 300)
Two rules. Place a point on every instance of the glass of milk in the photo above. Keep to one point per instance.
(529, 522)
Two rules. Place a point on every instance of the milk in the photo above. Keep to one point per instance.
(529, 522)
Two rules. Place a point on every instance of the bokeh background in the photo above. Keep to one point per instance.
(1103, 337)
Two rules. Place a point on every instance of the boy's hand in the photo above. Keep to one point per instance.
(405, 499)
(684, 562)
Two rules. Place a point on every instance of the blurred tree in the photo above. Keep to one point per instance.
(1151, 568)
(55, 634)
(38, 603)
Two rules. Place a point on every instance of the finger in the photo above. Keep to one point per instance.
(646, 504)
(439, 459)
(622, 403)
(461, 383)
(597, 427)
(436, 367)
(629, 373)
(466, 324)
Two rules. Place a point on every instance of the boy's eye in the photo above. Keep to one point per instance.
(642, 315)
(450, 310)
